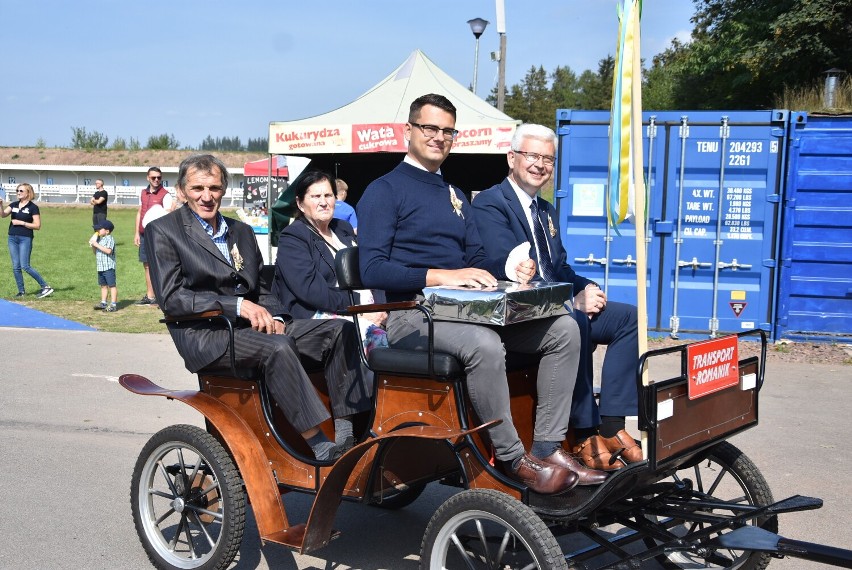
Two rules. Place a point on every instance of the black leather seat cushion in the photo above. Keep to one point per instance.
(414, 363)
(403, 362)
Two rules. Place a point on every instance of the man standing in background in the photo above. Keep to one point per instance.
(342, 210)
(99, 203)
(152, 195)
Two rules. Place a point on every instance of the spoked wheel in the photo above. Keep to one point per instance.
(484, 528)
(187, 500)
(726, 475)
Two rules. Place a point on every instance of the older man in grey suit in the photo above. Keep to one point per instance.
(201, 261)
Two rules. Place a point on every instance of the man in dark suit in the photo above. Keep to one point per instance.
(510, 214)
(201, 261)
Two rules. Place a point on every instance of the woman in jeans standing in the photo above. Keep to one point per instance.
(25, 220)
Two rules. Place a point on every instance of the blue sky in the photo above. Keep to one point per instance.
(194, 68)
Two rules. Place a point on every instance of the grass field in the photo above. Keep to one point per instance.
(62, 255)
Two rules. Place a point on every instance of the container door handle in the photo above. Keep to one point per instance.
(695, 264)
(591, 260)
(734, 265)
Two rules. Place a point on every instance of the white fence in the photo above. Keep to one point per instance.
(80, 194)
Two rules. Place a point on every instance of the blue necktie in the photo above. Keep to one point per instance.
(545, 264)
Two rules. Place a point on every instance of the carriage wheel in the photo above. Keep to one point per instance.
(187, 500)
(729, 475)
(484, 528)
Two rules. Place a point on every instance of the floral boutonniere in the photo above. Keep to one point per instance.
(550, 226)
(237, 258)
(456, 202)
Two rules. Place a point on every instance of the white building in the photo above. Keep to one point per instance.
(76, 184)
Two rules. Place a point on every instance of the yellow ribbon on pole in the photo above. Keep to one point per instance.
(625, 77)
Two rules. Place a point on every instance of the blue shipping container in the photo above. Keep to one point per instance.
(815, 295)
(714, 186)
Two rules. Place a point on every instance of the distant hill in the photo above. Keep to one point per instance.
(72, 156)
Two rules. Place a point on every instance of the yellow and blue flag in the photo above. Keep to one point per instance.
(619, 198)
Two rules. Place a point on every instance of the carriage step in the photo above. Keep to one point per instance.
(794, 504)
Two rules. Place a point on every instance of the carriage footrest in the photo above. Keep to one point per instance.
(293, 537)
(748, 538)
(793, 504)
(756, 539)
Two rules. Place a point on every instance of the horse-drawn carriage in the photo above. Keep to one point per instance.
(695, 501)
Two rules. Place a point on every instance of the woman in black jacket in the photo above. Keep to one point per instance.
(305, 279)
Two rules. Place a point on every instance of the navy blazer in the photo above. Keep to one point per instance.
(190, 275)
(503, 226)
(305, 281)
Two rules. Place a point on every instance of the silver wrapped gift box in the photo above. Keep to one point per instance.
(505, 304)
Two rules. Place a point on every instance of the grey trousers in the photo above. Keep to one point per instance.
(482, 352)
(334, 343)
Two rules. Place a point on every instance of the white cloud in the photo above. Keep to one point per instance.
(683, 36)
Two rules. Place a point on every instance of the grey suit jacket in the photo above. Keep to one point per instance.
(190, 275)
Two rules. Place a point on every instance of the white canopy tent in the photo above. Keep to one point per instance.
(374, 121)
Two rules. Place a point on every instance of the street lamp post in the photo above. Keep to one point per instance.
(477, 26)
(501, 73)
(832, 76)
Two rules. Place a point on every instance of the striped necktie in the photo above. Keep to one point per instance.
(545, 264)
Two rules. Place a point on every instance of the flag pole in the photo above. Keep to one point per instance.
(639, 208)
(639, 192)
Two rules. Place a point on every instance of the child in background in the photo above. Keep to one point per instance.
(103, 246)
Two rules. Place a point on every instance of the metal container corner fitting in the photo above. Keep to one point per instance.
(815, 293)
(714, 183)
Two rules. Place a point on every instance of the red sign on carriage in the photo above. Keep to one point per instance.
(713, 366)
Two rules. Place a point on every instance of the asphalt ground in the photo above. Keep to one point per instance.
(70, 435)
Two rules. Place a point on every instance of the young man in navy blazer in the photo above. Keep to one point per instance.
(510, 214)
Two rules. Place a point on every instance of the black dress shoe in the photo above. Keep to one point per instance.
(541, 477)
(586, 475)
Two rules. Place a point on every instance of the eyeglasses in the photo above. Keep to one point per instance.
(532, 157)
(431, 131)
(155, 178)
(21, 191)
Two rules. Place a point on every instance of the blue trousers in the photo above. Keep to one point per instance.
(615, 327)
(20, 248)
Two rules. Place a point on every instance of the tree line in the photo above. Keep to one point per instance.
(742, 54)
(81, 138)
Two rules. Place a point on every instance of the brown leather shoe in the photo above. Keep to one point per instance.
(595, 454)
(622, 441)
(541, 477)
(587, 476)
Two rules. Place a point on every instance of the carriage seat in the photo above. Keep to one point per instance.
(415, 363)
(402, 361)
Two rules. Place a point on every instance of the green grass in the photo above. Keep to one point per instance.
(811, 98)
(62, 255)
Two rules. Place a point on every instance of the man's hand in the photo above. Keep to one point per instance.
(260, 318)
(377, 319)
(468, 277)
(590, 300)
(525, 271)
(136, 240)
